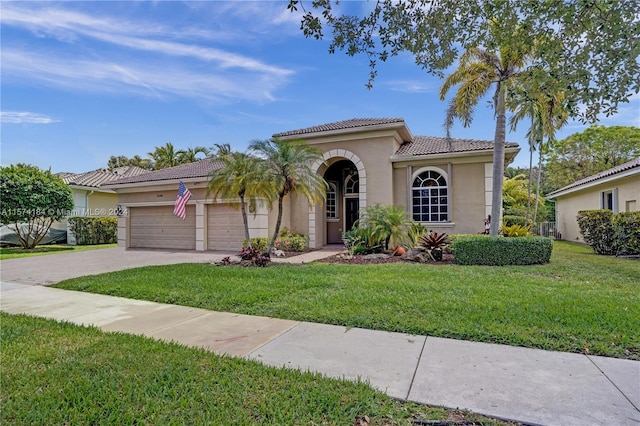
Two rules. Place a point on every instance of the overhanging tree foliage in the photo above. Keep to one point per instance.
(592, 151)
(587, 48)
(32, 199)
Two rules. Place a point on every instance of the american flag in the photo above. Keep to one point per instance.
(180, 208)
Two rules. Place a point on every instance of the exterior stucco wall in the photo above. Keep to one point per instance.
(103, 204)
(374, 153)
(466, 181)
(568, 206)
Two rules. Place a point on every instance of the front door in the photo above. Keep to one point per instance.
(352, 208)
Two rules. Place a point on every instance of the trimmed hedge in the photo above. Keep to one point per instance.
(609, 233)
(627, 232)
(500, 251)
(94, 230)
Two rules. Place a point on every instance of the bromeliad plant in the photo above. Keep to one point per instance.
(433, 243)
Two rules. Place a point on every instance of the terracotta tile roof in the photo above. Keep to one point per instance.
(613, 171)
(425, 145)
(198, 169)
(341, 125)
(96, 178)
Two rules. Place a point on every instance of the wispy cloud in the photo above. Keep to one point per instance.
(204, 71)
(23, 117)
(410, 86)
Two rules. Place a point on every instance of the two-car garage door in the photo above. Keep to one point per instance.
(158, 227)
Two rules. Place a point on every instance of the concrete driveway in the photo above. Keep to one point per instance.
(53, 268)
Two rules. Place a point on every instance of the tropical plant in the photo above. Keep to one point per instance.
(122, 160)
(166, 156)
(478, 71)
(416, 230)
(548, 113)
(434, 244)
(190, 155)
(287, 168)
(242, 176)
(388, 225)
(32, 199)
(516, 230)
(516, 197)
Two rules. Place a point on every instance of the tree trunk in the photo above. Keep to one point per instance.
(529, 185)
(278, 223)
(498, 162)
(245, 221)
(535, 210)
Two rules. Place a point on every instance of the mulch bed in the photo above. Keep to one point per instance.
(447, 259)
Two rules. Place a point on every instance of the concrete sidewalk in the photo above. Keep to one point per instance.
(526, 385)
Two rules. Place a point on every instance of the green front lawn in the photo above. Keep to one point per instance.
(580, 302)
(63, 374)
(16, 252)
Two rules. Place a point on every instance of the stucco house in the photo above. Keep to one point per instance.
(616, 189)
(443, 183)
(89, 198)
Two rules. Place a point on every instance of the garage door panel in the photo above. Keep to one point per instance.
(224, 227)
(158, 227)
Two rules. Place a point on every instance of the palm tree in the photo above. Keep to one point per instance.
(288, 167)
(478, 71)
(189, 155)
(241, 176)
(219, 150)
(388, 225)
(548, 114)
(166, 156)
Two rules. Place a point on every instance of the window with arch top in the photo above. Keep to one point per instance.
(430, 197)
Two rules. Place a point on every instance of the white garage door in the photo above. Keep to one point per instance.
(225, 228)
(158, 227)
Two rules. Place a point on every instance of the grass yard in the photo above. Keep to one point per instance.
(16, 252)
(580, 302)
(59, 373)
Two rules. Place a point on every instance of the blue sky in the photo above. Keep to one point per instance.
(81, 81)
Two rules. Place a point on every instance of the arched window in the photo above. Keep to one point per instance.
(332, 211)
(351, 184)
(430, 197)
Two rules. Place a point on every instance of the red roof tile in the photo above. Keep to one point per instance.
(425, 145)
(198, 169)
(341, 125)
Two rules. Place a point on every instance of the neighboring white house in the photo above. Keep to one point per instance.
(616, 189)
(89, 199)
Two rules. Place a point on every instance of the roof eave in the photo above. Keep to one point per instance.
(510, 153)
(400, 126)
(595, 182)
(176, 181)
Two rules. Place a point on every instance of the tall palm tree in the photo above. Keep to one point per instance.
(288, 167)
(241, 176)
(189, 155)
(548, 113)
(165, 156)
(477, 72)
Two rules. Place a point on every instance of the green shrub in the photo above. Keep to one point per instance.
(510, 220)
(287, 241)
(626, 227)
(516, 231)
(94, 230)
(499, 251)
(596, 227)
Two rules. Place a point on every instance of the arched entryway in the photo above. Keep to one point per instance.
(342, 205)
(346, 196)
